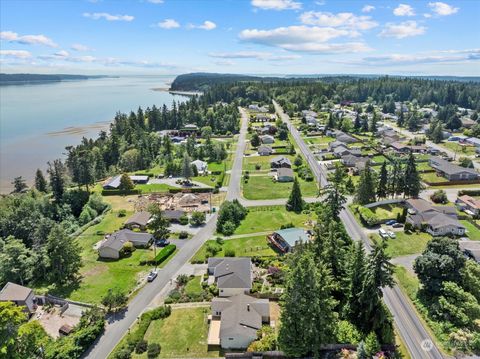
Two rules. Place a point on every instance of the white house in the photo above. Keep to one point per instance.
(201, 166)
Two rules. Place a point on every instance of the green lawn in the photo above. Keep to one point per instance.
(263, 187)
(264, 161)
(379, 159)
(472, 231)
(407, 281)
(406, 244)
(387, 211)
(154, 187)
(193, 286)
(209, 180)
(182, 335)
(423, 166)
(262, 219)
(459, 149)
(243, 247)
(433, 178)
(216, 166)
(319, 140)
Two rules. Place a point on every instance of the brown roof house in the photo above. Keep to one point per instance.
(470, 204)
(138, 220)
(436, 220)
(236, 320)
(19, 295)
(113, 244)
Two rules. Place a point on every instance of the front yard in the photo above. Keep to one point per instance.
(250, 162)
(406, 244)
(263, 187)
(472, 231)
(387, 211)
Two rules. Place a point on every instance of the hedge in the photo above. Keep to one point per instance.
(164, 253)
(119, 192)
(367, 216)
(469, 192)
(191, 190)
(145, 174)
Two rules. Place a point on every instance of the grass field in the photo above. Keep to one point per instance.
(262, 219)
(182, 335)
(246, 247)
(387, 211)
(319, 140)
(433, 178)
(263, 187)
(406, 244)
(264, 161)
(407, 281)
(459, 149)
(193, 286)
(154, 187)
(472, 231)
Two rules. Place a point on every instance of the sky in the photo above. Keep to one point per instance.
(240, 36)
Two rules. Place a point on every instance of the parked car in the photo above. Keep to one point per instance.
(162, 242)
(390, 222)
(392, 234)
(397, 225)
(383, 233)
(152, 275)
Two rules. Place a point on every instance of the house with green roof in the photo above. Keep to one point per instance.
(286, 239)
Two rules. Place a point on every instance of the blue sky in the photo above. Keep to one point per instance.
(240, 36)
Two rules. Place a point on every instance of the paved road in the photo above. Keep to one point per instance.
(115, 330)
(410, 326)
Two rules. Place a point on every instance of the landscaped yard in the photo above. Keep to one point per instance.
(432, 177)
(243, 247)
(263, 219)
(263, 187)
(249, 163)
(472, 231)
(406, 244)
(387, 211)
(459, 149)
(181, 335)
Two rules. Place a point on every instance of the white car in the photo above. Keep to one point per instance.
(383, 233)
(152, 275)
(392, 234)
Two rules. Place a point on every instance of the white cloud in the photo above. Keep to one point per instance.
(303, 38)
(16, 54)
(447, 56)
(404, 10)
(277, 4)
(342, 19)
(168, 24)
(402, 30)
(427, 16)
(368, 8)
(207, 25)
(259, 55)
(108, 17)
(442, 9)
(62, 53)
(155, 1)
(80, 47)
(11, 36)
(224, 63)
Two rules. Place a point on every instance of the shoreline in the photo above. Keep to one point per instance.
(180, 93)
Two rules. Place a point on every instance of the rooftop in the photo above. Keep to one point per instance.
(292, 235)
(14, 292)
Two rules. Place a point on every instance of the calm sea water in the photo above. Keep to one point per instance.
(38, 121)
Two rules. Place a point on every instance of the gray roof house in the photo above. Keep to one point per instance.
(233, 275)
(340, 151)
(452, 171)
(173, 215)
(201, 166)
(19, 295)
(138, 220)
(113, 244)
(236, 320)
(264, 150)
(267, 139)
(114, 182)
(280, 161)
(286, 239)
(343, 137)
(471, 249)
(437, 220)
(284, 175)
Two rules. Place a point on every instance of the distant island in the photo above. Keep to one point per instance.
(11, 79)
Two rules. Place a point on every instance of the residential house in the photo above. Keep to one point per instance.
(451, 171)
(309, 113)
(280, 162)
(467, 122)
(436, 220)
(267, 139)
(456, 138)
(466, 203)
(19, 295)
(284, 175)
(471, 249)
(473, 141)
(113, 244)
(285, 240)
(201, 166)
(257, 108)
(236, 320)
(264, 150)
(233, 275)
(340, 151)
(138, 220)
(114, 182)
(343, 137)
(262, 117)
(173, 216)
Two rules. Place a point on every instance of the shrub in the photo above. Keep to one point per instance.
(197, 218)
(439, 196)
(229, 253)
(124, 353)
(183, 220)
(212, 249)
(153, 350)
(183, 235)
(182, 279)
(164, 253)
(367, 216)
(122, 213)
(141, 346)
(127, 248)
(287, 225)
(258, 166)
(228, 228)
(219, 240)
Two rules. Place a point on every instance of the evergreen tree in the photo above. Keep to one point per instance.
(255, 140)
(40, 181)
(126, 183)
(364, 124)
(383, 182)
(437, 133)
(412, 180)
(187, 167)
(357, 125)
(373, 123)
(395, 182)
(295, 202)
(356, 267)
(19, 184)
(158, 224)
(56, 171)
(330, 122)
(308, 318)
(334, 192)
(366, 186)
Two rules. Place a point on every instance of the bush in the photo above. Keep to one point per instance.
(164, 253)
(141, 346)
(287, 225)
(183, 235)
(439, 196)
(182, 279)
(229, 253)
(122, 213)
(127, 248)
(367, 216)
(123, 354)
(212, 249)
(197, 218)
(228, 228)
(119, 192)
(258, 166)
(153, 350)
(183, 220)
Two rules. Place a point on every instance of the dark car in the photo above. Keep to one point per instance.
(390, 222)
(397, 225)
(162, 242)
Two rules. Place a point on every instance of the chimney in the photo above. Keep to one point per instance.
(248, 307)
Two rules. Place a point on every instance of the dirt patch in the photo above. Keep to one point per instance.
(121, 202)
(52, 319)
(96, 270)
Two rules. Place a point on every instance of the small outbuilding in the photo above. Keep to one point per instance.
(284, 175)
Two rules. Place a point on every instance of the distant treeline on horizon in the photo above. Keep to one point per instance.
(6, 79)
